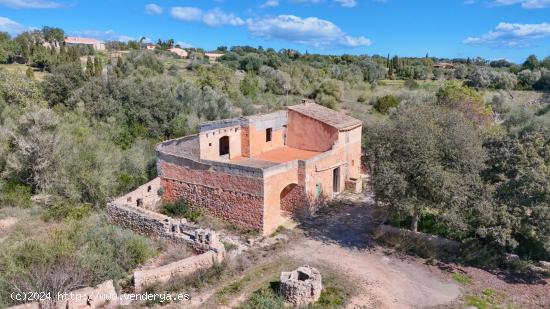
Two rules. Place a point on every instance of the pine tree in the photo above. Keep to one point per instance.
(98, 68)
(89, 68)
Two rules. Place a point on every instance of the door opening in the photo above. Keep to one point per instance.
(336, 180)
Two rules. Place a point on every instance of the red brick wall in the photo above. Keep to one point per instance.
(237, 199)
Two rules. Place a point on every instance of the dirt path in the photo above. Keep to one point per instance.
(341, 238)
(385, 281)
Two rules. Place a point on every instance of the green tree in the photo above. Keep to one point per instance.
(385, 103)
(98, 68)
(90, 71)
(425, 159)
(531, 63)
(464, 99)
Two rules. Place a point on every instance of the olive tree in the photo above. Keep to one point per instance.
(425, 159)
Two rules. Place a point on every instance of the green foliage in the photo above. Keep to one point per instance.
(265, 298)
(181, 209)
(385, 103)
(13, 194)
(462, 279)
(464, 99)
(424, 160)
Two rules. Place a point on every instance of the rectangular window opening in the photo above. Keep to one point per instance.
(268, 134)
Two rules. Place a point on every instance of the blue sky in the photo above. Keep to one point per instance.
(493, 29)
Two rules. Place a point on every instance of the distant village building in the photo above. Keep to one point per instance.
(258, 171)
(75, 41)
(444, 65)
(179, 51)
(149, 46)
(213, 56)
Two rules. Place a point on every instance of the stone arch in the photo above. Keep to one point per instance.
(292, 198)
(224, 145)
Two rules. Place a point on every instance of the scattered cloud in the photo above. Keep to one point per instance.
(107, 35)
(153, 9)
(186, 13)
(31, 4)
(511, 35)
(270, 4)
(347, 3)
(213, 18)
(217, 17)
(12, 27)
(308, 31)
(526, 4)
(184, 44)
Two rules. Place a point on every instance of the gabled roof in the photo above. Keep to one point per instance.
(326, 115)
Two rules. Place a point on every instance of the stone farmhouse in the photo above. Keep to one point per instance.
(75, 41)
(258, 171)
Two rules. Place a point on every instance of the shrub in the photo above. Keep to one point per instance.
(385, 103)
(362, 98)
(265, 298)
(15, 195)
(411, 84)
(181, 209)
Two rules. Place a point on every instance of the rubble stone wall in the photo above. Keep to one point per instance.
(178, 269)
(237, 199)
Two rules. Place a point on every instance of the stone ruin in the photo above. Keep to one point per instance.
(301, 286)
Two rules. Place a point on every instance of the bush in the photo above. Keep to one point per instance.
(181, 209)
(265, 298)
(362, 98)
(15, 195)
(385, 103)
(411, 84)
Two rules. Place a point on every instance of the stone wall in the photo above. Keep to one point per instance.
(293, 199)
(178, 269)
(151, 223)
(237, 199)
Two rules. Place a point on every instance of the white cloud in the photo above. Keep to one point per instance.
(308, 31)
(270, 4)
(153, 9)
(526, 4)
(347, 3)
(511, 35)
(213, 18)
(12, 27)
(217, 17)
(186, 13)
(30, 4)
(184, 44)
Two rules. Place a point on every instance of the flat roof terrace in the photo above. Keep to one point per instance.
(275, 156)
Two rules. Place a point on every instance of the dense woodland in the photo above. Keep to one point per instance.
(454, 152)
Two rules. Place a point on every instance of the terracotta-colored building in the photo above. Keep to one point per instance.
(257, 171)
(74, 41)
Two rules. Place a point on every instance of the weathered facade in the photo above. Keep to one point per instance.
(256, 171)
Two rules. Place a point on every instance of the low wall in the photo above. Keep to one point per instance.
(425, 245)
(178, 269)
(152, 223)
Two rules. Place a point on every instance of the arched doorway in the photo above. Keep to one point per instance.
(224, 146)
(292, 198)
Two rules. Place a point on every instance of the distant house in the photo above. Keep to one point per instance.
(444, 65)
(75, 41)
(149, 46)
(179, 51)
(213, 56)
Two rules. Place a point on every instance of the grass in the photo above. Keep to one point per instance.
(489, 299)
(21, 69)
(462, 279)
(229, 246)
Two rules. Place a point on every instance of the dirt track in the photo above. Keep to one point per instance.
(341, 238)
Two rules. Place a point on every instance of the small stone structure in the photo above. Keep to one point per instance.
(301, 286)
